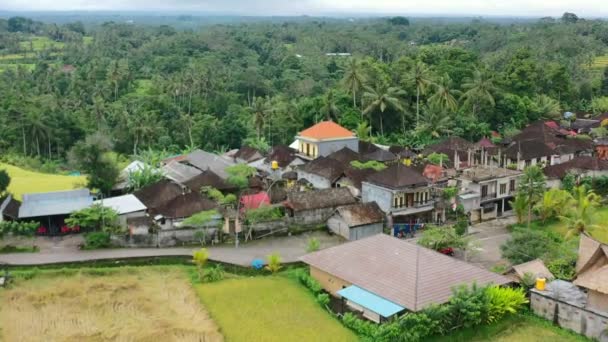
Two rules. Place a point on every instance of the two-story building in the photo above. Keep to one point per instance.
(325, 138)
(485, 191)
(402, 192)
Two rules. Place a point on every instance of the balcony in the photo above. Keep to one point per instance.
(415, 205)
(488, 197)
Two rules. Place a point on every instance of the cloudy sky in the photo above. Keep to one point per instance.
(588, 8)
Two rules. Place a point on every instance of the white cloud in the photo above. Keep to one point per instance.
(298, 7)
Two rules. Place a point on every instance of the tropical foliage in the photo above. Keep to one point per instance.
(97, 218)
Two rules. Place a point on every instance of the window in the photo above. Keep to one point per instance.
(484, 191)
(528, 163)
(503, 189)
(512, 185)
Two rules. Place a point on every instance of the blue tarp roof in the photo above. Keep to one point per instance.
(370, 301)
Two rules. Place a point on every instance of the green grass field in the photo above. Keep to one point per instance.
(24, 181)
(600, 219)
(272, 308)
(40, 43)
(518, 328)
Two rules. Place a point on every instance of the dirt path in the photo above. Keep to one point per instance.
(290, 248)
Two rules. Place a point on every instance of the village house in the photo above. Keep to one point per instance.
(321, 173)
(402, 192)
(458, 150)
(313, 207)
(247, 155)
(179, 172)
(532, 270)
(357, 221)
(52, 208)
(122, 183)
(203, 161)
(485, 191)
(582, 305)
(582, 166)
(545, 144)
(325, 138)
(382, 276)
(280, 159)
(126, 206)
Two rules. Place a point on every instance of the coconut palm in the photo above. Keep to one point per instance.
(260, 109)
(381, 98)
(548, 108)
(329, 108)
(580, 211)
(479, 89)
(445, 94)
(420, 76)
(519, 204)
(532, 186)
(363, 131)
(354, 79)
(553, 203)
(435, 121)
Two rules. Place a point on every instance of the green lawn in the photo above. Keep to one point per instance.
(24, 181)
(519, 328)
(272, 308)
(39, 44)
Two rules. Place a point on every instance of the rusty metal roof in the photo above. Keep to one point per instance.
(402, 272)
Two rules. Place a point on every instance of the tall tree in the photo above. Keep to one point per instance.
(479, 89)
(354, 79)
(445, 93)
(420, 76)
(435, 122)
(91, 157)
(579, 215)
(329, 109)
(532, 185)
(261, 109)
(379, 99)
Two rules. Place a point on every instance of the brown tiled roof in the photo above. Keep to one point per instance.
(398, 176)
(581, 163)
(381, 156)
(528, 149)
(158, 194)
(325, 167)
(318, 199)
(366, 147)
(209, 178)
(326, 130)
(184, 206)
(357, 176)
(9, 207)
(282, 154)
(450, 144)
(540, 139)
(361, 214)
(248, 154)
(402, 272)
(345, 156)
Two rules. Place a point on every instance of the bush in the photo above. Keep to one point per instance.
(323, 299)
(529, 244)
(263, 214)
(313, 245)
(274, 263)
(439, 238)
(202, 219)
(96, 240)
(23, 228)
(213, 274)
(503, 301)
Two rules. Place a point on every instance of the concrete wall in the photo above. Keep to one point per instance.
(317, 181)
(164, 238)
(337, 225)
(312, 216)
(122, 219)
(586, 322)
(382, 196)
(328, 147)
(329, 282)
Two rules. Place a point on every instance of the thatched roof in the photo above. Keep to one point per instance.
(326, 198)
(157, 194)
(185, 206)
(360, 214)
(592, 265)
(535, 267)
(210, 179)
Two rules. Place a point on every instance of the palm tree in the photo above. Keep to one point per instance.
(363, 131)
(260, 109)
(329, 108)
(532, 185)
(580, 211)
(445, 94)
(479, 90)
(435, 121)
(548, 108)
(519, 204)
(381, 98)
(420, 77)
(354, 79)
(553, 203)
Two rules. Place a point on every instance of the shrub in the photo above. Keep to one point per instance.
(274, 263)
(439, 238)
(372, 164)
(503, 301)
(201, 219)
(323, 299)
(213, 274)
(449, 192)
(437, 158)
(529, 244)
(562, 268)
(263, 214)
(199, 258)
(23, 228)
(96, 240)
(313, 245)
(96, 217)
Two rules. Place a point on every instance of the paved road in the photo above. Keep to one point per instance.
(490, 236)
(290, 249)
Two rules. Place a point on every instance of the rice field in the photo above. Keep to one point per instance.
(40, 43)
(127, 304)
(600, 62)
(272, 308)
(24, 181)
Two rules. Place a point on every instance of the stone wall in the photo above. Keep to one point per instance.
(590, 323)
(163, 238)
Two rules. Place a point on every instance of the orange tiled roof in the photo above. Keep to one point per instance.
(326, 130)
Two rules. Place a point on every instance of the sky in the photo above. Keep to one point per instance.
(535, 8)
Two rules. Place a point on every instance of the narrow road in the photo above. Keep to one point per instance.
(290, 248)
